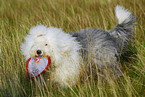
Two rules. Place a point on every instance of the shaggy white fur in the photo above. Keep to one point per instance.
(65, 50)
(62, 49)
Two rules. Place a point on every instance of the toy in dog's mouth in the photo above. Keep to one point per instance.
(38, 65)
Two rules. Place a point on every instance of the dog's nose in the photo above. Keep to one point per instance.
(39, 52)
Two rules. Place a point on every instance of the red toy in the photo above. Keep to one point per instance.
(36, 67)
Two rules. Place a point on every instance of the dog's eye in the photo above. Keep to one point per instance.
(46, 44)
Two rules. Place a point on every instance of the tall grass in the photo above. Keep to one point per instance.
(16, 18)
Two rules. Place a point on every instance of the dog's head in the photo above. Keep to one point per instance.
(41, 41)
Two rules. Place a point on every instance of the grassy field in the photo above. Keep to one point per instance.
(18, 16)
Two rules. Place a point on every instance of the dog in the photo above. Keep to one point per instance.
(68, 50)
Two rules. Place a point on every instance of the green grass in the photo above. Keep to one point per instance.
(18, 16)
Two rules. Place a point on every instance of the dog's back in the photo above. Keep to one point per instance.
(103, 47)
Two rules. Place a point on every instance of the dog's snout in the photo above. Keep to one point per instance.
(39, 52)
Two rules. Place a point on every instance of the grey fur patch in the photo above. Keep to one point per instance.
(96, 44)
(103, 47)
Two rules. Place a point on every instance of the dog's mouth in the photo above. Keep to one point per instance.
(39, 55)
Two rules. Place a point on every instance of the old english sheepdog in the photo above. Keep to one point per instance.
(68, 51)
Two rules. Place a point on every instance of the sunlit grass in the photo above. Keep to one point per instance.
(18, 16)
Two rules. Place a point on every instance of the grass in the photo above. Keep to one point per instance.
(18, 16)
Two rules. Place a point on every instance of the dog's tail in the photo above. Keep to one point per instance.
(123, 32)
